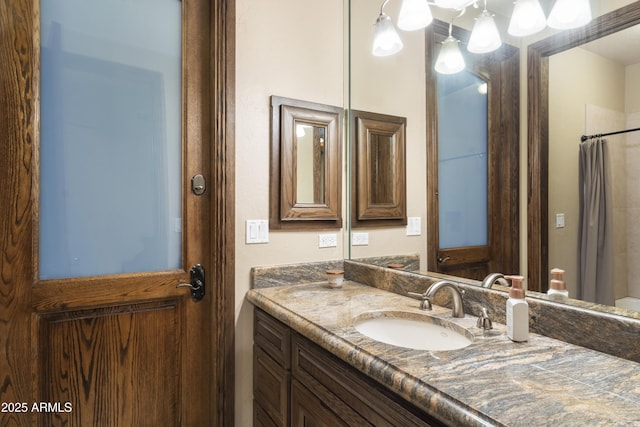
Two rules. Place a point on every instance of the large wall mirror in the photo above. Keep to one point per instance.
(397, 86)
(584, 82)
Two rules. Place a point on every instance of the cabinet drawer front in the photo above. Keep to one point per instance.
(309, 410)
(270, 386)
(313, 365)
(273, 336)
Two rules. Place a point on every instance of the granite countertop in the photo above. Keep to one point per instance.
(493, 381)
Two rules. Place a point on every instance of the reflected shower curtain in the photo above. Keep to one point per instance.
(595, 236)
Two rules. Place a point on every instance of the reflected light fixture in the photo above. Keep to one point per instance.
(527, 19)
(450, 59)
(485, 37)
(386, 40)
(567, 14)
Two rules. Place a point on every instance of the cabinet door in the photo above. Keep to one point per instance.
(308, 410)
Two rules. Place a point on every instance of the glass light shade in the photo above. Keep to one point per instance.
(567, 14)
(450, 60)
(414, 15)
(453, 4)
(386, 40)
(527, 19)
(485, 36)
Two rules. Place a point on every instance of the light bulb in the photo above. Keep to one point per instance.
(386, 40)
(414, 15)
(527, 18)
(567, 14)
(453, 4)
(485, 36)
(450, 60)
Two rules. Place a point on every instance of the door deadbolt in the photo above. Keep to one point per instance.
(198, 184)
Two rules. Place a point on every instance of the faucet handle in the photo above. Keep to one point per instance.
(417, 295)
(426, 302)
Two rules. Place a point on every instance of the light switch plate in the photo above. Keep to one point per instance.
(327, 240)
(559, 220)
(257, 231)
(360, 239)
(413, 226)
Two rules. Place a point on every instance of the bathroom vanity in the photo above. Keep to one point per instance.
(311, 365)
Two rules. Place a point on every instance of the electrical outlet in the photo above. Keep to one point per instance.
(327, 240)
(360, 239)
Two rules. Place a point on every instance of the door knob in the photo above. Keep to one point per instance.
(197, 283)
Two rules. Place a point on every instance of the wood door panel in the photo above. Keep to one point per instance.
(111, 366)
(97, 291)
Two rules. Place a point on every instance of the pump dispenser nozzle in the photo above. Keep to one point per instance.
(557, 286)
(516, 290)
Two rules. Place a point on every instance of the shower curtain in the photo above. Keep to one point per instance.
(595, 236)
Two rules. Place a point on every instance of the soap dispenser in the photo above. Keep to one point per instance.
(517, 311)
(557, 286)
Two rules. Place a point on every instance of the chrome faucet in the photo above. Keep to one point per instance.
(457, 310)
(492, 279)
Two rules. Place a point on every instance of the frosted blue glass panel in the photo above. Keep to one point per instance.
(110, 140)
(462, 160)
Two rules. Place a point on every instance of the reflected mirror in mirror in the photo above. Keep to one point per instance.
(379, 169)
(310, 163)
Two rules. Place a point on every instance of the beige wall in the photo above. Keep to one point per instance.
(393, 85)
(291, 48)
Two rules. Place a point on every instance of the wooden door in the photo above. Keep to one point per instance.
(501, 251)
(126, 349)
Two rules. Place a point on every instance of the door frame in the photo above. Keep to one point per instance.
(19, 118)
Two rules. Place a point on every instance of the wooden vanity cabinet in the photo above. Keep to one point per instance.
(321, 390)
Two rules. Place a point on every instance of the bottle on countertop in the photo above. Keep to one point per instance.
(557, 286)
(517, 311)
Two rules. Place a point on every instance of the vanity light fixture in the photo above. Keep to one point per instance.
(414, 15)
(386, 40)
(527, 18)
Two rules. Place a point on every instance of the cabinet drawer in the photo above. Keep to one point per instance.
(319, 370)
(271, 384)
(273, 336)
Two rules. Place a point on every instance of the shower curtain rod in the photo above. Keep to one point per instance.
(584, 138)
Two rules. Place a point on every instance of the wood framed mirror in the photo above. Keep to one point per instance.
(378, 170)
(306, 165)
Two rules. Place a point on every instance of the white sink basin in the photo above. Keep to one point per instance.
(413, 331)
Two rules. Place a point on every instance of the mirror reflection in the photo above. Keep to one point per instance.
(310, 163)
(390, 78)
(592, 90)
